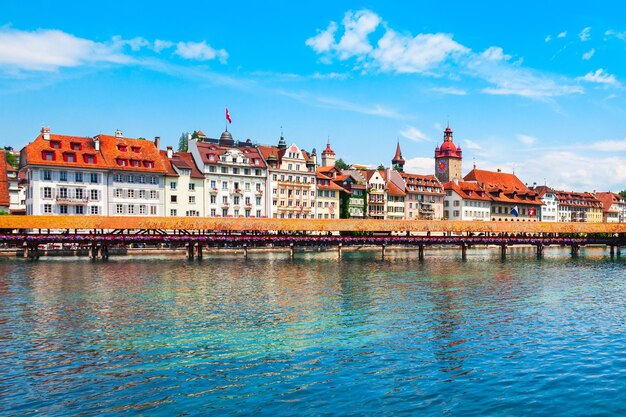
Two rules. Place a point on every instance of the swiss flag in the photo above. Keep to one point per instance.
(531, 212)
(228, 116)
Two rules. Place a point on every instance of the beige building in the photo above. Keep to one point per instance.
(327, 201)
(291, 181)
(184, 185)
(424, 197)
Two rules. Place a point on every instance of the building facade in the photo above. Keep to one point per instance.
(548, 211)
(184, 185)
(424, 197)
(291, 181)
(448, 159)
(466, 201)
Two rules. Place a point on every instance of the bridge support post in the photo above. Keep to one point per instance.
(539, 250)
(339, 248)
(245, 250)
(104, 252)
(93, 250)
(503, 251)
(575, 250)
(612, 251)
(190, 249)
(619, 251)
(291, 251)
(464, 251)
(420, 252)
(384, 249)
(199, 250)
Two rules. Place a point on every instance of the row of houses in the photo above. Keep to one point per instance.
(114, 175)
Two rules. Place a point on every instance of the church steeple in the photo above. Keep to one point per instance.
(448, 158)
(398, 161)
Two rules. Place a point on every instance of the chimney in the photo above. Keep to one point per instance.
(170, 152)
(96, 143)
(499, 170)
(157, 142)
(118, 133)
(45, 131)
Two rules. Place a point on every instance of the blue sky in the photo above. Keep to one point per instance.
(529, 87)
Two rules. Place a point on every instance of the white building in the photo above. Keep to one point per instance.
(549, 211)
(65, 175)
(235, 176)
(465, 201)
(184, 185)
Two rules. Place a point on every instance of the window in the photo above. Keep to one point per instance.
(78, 177)
(212, 168)
(213, 199)
(153, 194)
(48, 156)
(93, 195)
(130, 179)
(80, 210)
(135, 149)
(153, 180)
(47, 208)
(224, 185)
(117, 178)
(55, 144)
(224, 200)
(235, 170)
(69, 157)
(173, 199)
(89, 159)
(142, 193)
(93, 178)
(131, 193)
(63, 209)
(236, 200)
(75, 146)
(131, 209)
(142, 179)
(95, 210)
(246, 171)
(224, 212)
(148, 164)
(63, 176)
(153, 210)
(213, 184)
(258, 213)
(80, 193)
(192, 187)
(47, 192)
(192, 199)
(122, 162)
(173, 185)
(213, 212)
(62, 193)
(247, 200)
(121, 147)
(118, 193)
(142, 209)
(224, 170)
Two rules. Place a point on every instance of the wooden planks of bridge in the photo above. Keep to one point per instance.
(263, 224)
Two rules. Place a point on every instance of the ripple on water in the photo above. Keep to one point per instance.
(269, 335)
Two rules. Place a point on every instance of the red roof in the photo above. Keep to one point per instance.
(392, 189)
(328, 151)
(607, 200)
(576, 199)
(206, 149)
(448, 148)
(415, 180)
(398, 156)
(128, 154)
(56, 151)
(181, 160)
(503, 187)
(468, 190)
(5, 200)
(321, 185)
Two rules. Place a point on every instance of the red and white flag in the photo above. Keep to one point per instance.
(228, 116)
(531, 212)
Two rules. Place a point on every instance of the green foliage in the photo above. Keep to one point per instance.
(623, 193)
(381, 167)
(11, 159)
(4, 213)
(194, 135)
(340, 164)
(182, 142)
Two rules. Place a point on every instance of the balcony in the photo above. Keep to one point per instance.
(226, 204)
(236, 191)
(259, 192)
(213, 190)
(71, 200)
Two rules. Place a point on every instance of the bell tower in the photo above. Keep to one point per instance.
(448, 158)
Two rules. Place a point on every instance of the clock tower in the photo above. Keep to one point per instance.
(448, 158)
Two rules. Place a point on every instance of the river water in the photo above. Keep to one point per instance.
(315, 336)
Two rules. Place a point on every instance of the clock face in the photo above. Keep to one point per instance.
(441, 166)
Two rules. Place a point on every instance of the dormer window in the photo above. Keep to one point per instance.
(89, 159)
(257, 161)
(69, 156)
(211, 157)
(48, 156)
(121, 147)
(122, 162)
(135, 149)
(148, 164)
(75, 146)
(135, 163)
(55, 144)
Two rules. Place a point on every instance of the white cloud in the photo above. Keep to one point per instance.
(585, 34)
(562, 34)
(49, 50)
(548, 38)
(200, 51)
(470, 144)
(330, 76)
(527, 140)
(323, 41)
(160, 45)
(609, 145)
(424, 166)
(450, 90)
(618, 35)
(601, 77)
(431, 54)
(587, 55)
(415, 134)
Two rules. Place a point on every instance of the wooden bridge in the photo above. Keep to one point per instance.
(98, 234)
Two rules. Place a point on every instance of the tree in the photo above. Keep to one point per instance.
(182, 142)
(11, 159)
(623, 193)
(381, 167)
(340, 164)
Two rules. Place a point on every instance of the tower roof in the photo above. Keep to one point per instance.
(328, 150)
(398, 156)
(448, 148)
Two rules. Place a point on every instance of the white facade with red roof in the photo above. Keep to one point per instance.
(328, 193)
(466, 200)
(184, 185)
(235, 176)
(64, 175)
